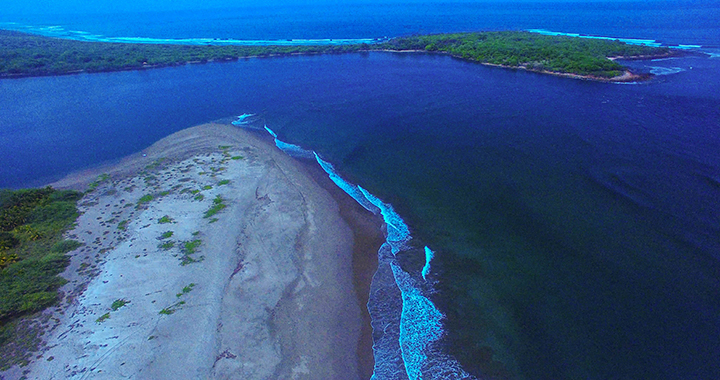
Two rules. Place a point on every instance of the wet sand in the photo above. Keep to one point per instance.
(272, 286)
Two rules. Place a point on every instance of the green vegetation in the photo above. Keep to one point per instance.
(32, 250)
(218, 204)
(199, 197)
(186, 290)
(155, 164)
(101, 178)
(103, 318)
(145, 199)
(532, 51)
(165, 219)
(31, 55)
(32, 255)
(236, 157)
(166, 234)
(167, 245)
(172, 308)
(223, 182)
(118, 304)
(122, 226)
(188, 250)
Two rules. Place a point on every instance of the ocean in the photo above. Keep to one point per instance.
(539, 227)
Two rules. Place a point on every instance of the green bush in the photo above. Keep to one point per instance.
(8, 241)
(30, 285)
(65, 246)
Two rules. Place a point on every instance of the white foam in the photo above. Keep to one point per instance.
(349, 188)
(429, 254)
(420, 323)
(657, 70)
(59, 31)
(241, 119)
(270, 131)
(398, 232)
(629, 41)
(405, 323)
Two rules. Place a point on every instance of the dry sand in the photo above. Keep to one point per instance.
(267, 294)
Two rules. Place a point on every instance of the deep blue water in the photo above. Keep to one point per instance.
(576, 225)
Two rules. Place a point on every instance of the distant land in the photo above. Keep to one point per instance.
(27, 55)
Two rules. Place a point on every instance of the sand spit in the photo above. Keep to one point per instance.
(161, 290)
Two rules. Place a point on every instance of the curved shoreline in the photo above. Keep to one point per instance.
(272, 291)
(169, 55)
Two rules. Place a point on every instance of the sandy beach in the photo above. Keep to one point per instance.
(212, 254)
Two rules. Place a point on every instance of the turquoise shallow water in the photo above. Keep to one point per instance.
(575, 224)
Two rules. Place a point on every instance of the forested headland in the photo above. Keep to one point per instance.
(23, 55)
(532, 51)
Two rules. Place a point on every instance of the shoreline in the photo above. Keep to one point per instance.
(288, 303)
(627, 75)
(368, 236)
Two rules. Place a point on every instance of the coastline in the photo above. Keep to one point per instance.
(216, 53)
(275, 286)
(627, 75)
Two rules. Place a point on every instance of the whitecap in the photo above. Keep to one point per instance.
(658, 70)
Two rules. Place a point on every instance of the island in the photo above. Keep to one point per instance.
(24, 55)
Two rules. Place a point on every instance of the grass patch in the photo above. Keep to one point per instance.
(65, 246)
(122, 226)
(223, 182)
(166, 234)
(208, 187)
(167, 245)
(118, 304)
(156, 164)
(103, 318)
(145, 199)
(189, 248)
(237, 158)
(99, 181)
(172, 308)
(218, 205)
(165, 219)
(199, 197)
(186, 290)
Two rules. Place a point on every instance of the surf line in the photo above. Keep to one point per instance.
(58, 31)
(406, 325)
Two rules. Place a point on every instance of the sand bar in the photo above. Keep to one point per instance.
(263, 289)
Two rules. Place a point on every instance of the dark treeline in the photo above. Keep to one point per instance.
(31, 55)
(561, 54)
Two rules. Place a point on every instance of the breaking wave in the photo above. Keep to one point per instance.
(629, 41)
(407, 327)
(60, 32)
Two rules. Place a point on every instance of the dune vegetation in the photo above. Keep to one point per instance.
(32, 255)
